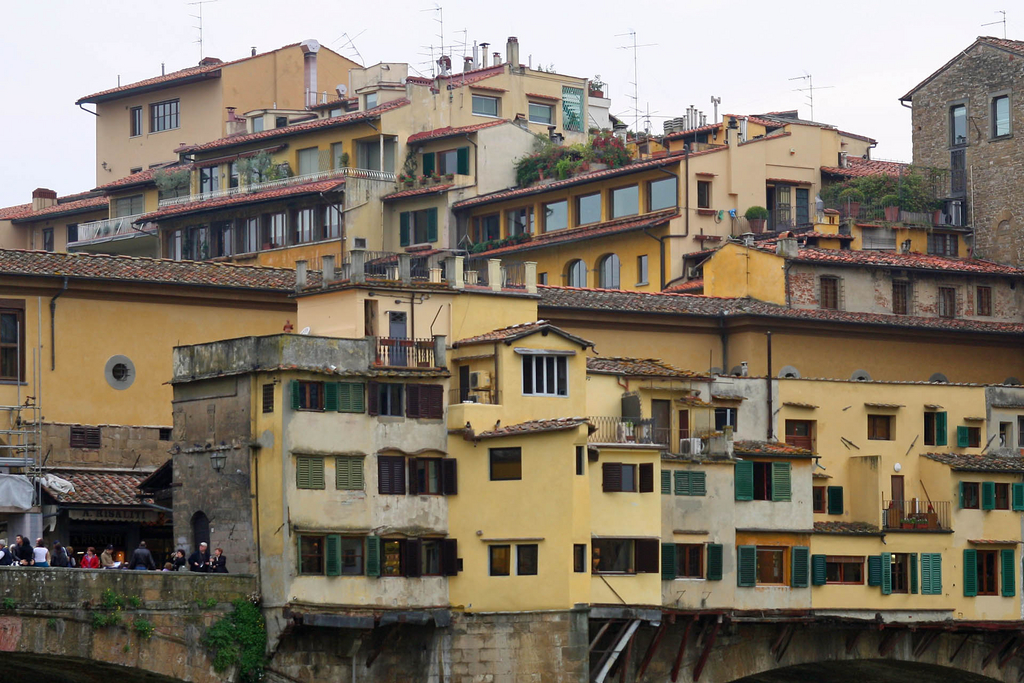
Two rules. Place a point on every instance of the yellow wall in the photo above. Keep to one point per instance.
(738, 271)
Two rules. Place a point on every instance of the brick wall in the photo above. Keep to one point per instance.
(120, 446)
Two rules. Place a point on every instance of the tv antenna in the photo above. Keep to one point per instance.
(810, 89)
(440, 21)
(199, 16)
(715, 101)
(1000, 21)
(350, 43)
(636, 75)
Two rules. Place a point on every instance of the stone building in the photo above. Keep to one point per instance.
(964, 117)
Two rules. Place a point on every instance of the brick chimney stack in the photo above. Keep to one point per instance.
(43, 198)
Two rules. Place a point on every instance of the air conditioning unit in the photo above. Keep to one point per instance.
(480, 380)
(691, 446)
(954, 213)
(694, 272)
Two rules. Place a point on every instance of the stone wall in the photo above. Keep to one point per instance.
(120, 446)
(995, 174)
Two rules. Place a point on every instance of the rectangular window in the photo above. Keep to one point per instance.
(725, 417)
(268, 398)
(72, 233)
(311, 396)
(391, 475)
(641, 269)
(135, 116)
(348, 473)
(304, 226)
(309, 160)
(572, 109)
(526, 559)
(984, 301)
(542, 278)
(947, 302)
(425, 474)
(500, 560)
(129, 206)
(333, 220)
(447, 162)
(944, 244)
(762, 481)
(703, 194)
(369, 100)
(542, 113)
(431, 558)
(351, 556)
(1002, 496)
(617, 477)
(900, 297)
(690, 483)
(771, 563)
(487, 228)
(506, 464)
(545, 376)
(420, 227)
(1000, 116)
(484, 105)
(818, 499)
(309, 472)
(47, 239)
(393, 557)
(233, 174)
(520, 222)
(556, 216)
(900, 572)
(311, 555)
(368, 154)
(625, 201)
(250, 235)
(276, 224)
(829, 300)
(580, 460)
(579, 557)
(800, 433)
(164, 116)
(935, 430)
(970, 495)
(389, 399)
(988, 572)
(690, 560)
(424, 401)
(968, 437)
(958, 125)
(613, 555)
(337, 149)
(85, 437)
(880, 427)
(661, 194)
(222, 239)
(588, 209)
(209, 179)
(844, 569)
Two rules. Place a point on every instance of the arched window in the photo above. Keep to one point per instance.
(576, 273)
(608, 272)
(200, 529)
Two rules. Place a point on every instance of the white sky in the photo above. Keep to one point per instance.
(871, 52)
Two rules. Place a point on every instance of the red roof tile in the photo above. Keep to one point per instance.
(100, 486)
(547, 239)
(77, 206)
(9, 212)
(540, 96)
(636, 367)
(964, 462)
(448, 131)
(417, 192)
(691, 287)
(513, 332)
(911, 261)
(858, 168)
(337, 101)
(244, 198)
(557, 424)
(770, 448)
(457, 80)
(854, 528)
(993, 541)
(139, 178)
(18, 262)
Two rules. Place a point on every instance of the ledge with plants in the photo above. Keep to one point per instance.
(497, 244)
(559, 162)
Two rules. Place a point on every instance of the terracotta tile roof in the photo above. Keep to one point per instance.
(886, 259)
(770, 449)
(557, 424)
(77, 206)
(993, 541)
(488, 88)
(448, 131)
(334, 103)
(962, 462)
(100, 486)
(826, 236)
(798, 404)
(513, 332)
(244, 198)
(694, 402)
(417, 192)
(374, 373)
(1012, 46)
(636, 166)
(18, 262)
(636, 367)
(615, 227)
(139, 178)
(820, 475)
(693, 286)
(691, 131)
(859, 167)
(10, 211)
(458, 80)
(541, 96)
(853, 528)
(297, 129)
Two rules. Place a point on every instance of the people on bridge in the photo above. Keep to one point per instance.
(107, 557)
(72, 560)
(168, 567)
(59, 556)
(40, 555)
(23, 551)
(218, 563)
(142, 558)
(90, 560)
(179, 561)
(6, 558)
(199, 561)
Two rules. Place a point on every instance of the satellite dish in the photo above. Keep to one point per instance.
(305, 330)
(341, 90)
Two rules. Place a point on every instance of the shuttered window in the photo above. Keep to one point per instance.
(309, 472)
(690, 483)
(348, 473)
(350, 397)
(744, 476)
(715, 561)
(373, 555)
(1017, 496)
(307, 395)
(931, 574)
(1009, 580)
(782, 489)
(666, 482)
(829, 293)
(746, 565)
(875, 570)
(988, 495)
(800, 559)
(818, 570)
(668, 561)
(85, 437)
(311, 554)
(913, 573)
(618, 477)
(835, 500)
(391, 475)
(647, 556)
(970, 572)
(425, 401)
(646, 476)
(886, 569)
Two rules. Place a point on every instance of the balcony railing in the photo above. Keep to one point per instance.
(400, 352)
(920, 515)
(110, 228)
(466, 395)
(626, 430)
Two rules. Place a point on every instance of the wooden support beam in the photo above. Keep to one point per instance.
(851, 641)
(785, 633)
(785, 644)
(382, 643)
(652, 648)
(609, 651)
(629, 655)
(997, 650)
(889, 641)
(926, 641)
(697, 670)
(1011, 652)
(682, 649)
(600, 633)
(958, 648)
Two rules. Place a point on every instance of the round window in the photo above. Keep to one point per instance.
(119, 372)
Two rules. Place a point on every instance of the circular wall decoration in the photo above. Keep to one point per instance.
(789, 372)
(939, 378)
(119, 372)
(860, 376)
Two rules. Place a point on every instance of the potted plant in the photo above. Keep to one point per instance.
(343, 159)
(756, 217)
(435, 177)
(907, 523)
(921, 522)
(596, 87)
(851, 198)
(449, 177)
(891, 205)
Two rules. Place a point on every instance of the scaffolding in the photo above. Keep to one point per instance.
(21, 423)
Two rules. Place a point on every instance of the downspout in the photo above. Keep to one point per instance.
(768, 383)
(724, 335)
(661, 240)
(53, 318)
(686, 174)
(86, 110)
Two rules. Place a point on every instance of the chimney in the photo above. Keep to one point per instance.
(43, 198)
(483, 54)
(748, 239)
(309, 49)
(476, 55)
(512, 51)
(300, 274)
(786, 247)
(744, 369)
(497, 58)
(444, 64)
(327, 270)
(235, 125)
(253, 50)
(210, 61)
(467, 64)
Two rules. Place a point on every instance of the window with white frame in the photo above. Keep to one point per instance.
(485, 106)
(545, 375)
(542, 113)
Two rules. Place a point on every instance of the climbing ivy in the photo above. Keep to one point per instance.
(239, 640)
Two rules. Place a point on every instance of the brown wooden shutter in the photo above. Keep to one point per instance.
(373, 399)
(413, 401)
(414, 486)
(398, 475)
(413, 548)
(611, 477)
(432, 401)
(383, 475)
(449, 476)
(647, 477)
(647, 556)
(449, 557)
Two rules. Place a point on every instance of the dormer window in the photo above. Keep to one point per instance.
(369, 100)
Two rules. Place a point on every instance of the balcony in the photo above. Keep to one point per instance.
(916, 515)
(439, 268)
(109, 230)
(489, 396)
(624, 430)
(400, 352)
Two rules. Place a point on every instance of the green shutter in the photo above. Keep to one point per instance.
(668, 561)
(295, 394)
(941, 429)
(800, 561)
(1018, 496)
(936, 573)
(302, 480)
(348, 473)
(886, 568)
(404, 238)
(926, 573)
(835, 500)
(913, 573)
(970, 572)
(330, 395)
(373, 555)
(316, 473)
(682, 483)
(432, 225)
(874, 570)
(963, 438)
(666, 482)
(698, 484)
(818, 570)
(350, 397)
(333, 555)
(428, 163)
(782, 487)
(962, 496)
(462, 161)
(1009, 576)
(715, 551)
(988, 495)
(744, 480)
(746, 565)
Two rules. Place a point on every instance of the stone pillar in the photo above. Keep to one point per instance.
(405, 268)
(494, 274)
(453, 266)
(358, 273)
(440, 349)
(327, 276)
(531, 276)
(300, 274)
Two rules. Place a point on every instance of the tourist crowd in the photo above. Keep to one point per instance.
(23, 554)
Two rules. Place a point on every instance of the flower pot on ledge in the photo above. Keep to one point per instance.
(892, 213)
(756, 225)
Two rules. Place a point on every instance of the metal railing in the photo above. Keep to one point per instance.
(400, 352)
(475, 271)
(427, 268)
(466, 395)
(625, 430)
(513, 274)
(109, 228)
(376, 264)
(922, 515)
(805, 442)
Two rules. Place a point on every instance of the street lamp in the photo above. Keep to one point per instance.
(217, 459)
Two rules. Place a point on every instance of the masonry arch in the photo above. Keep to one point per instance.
(858, 671)
(200, 529)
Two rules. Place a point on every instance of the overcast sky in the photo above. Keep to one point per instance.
(870, 52)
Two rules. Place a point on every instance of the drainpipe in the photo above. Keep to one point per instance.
(768, 383)
(724, 336)
(53, 317)
(686, 177)
(86, 110)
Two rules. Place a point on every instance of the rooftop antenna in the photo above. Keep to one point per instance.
(715, 101)
(200, 26)
(810, 89)
(350, 43)
(636, 75)
(1000, 21)
(440, 20)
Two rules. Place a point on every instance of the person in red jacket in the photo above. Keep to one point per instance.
(91, 560)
